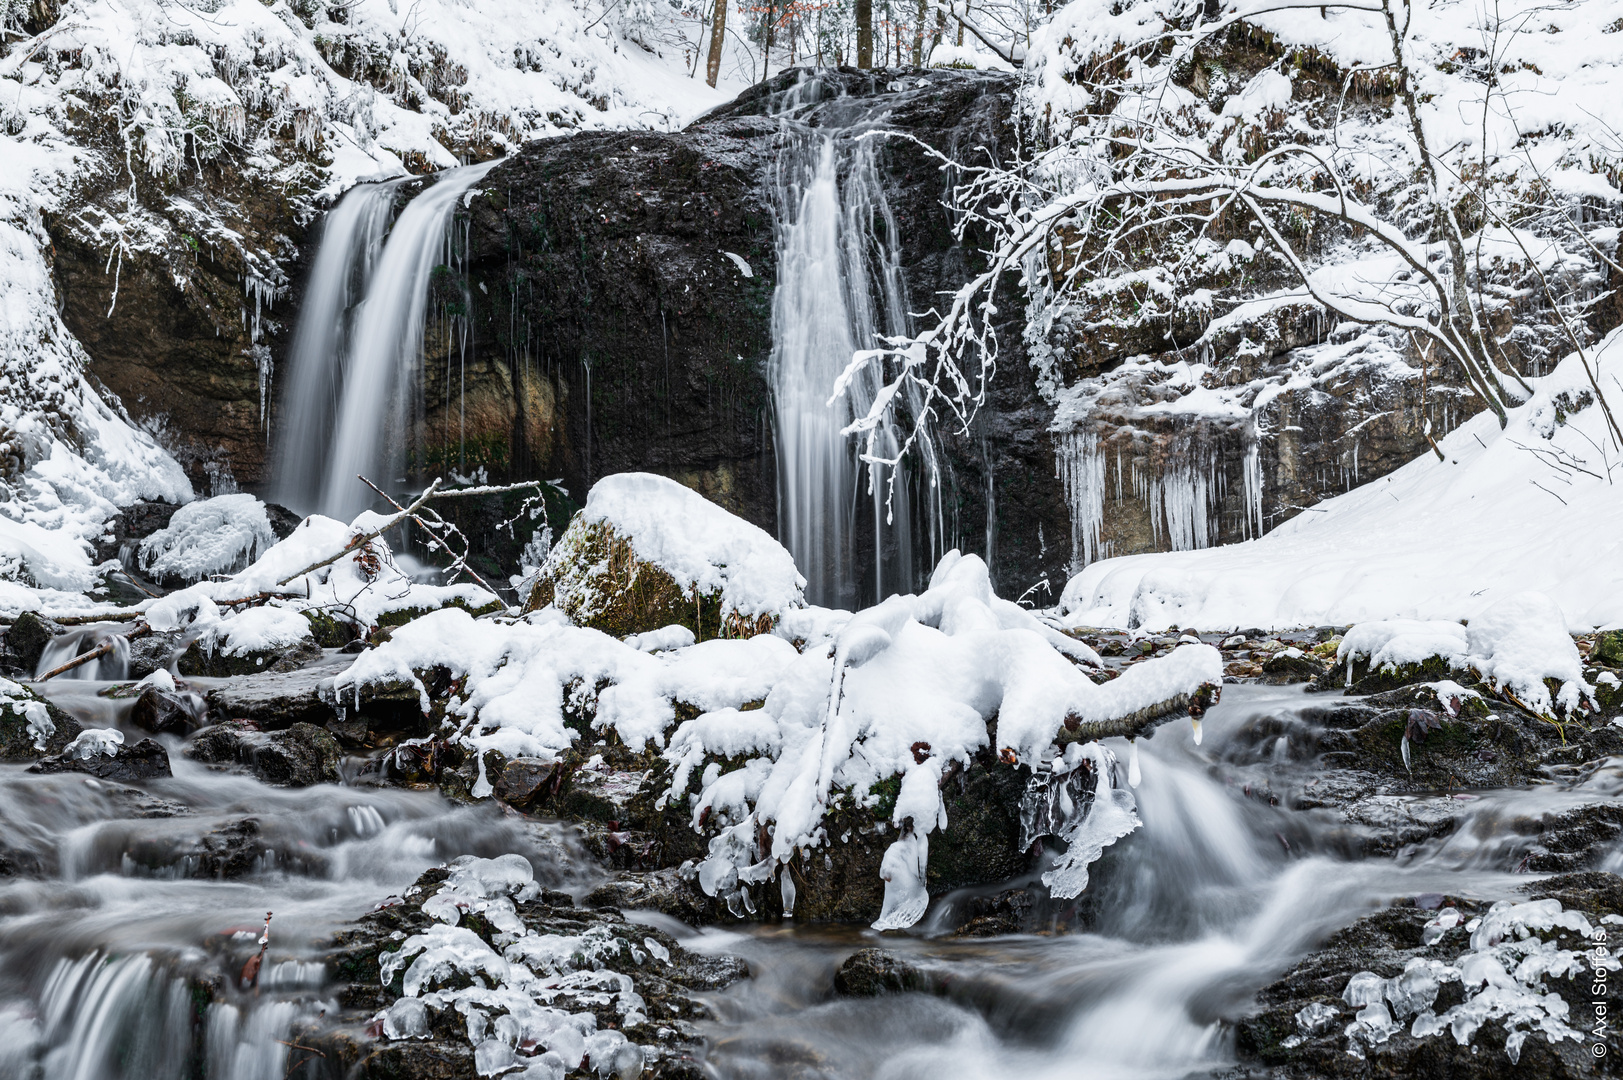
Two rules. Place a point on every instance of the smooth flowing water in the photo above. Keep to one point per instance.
(355, 376)
(840, 290)
(1216, 895)
(112, 912)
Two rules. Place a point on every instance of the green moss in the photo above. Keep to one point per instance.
(330, 631)
(403, 616)
(886, 792)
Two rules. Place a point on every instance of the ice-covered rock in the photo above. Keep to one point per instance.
(207, 537)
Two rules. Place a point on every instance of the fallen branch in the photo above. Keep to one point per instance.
(366, 538)
(95, 654)
(461, 563)
(84, 620)
(1141, 722)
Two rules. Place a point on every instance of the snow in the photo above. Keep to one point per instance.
(706, 550)
(901, 689)
(1515, 645)
(210, 536)
(1531, 508)
(95, 742)
(524, 983)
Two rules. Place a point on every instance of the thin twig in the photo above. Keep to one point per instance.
(366, 538)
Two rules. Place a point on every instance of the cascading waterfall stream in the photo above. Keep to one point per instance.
(353, 379)
(840, 290)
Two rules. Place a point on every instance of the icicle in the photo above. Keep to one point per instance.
(1194, 722)
(1134, 777)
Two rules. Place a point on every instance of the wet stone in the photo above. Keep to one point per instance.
(300, 756)
(146, 760)
(524, 778)
(871, 972)
(152, 652)
(164, 713)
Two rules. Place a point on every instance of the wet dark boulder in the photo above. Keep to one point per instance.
(31, 726)
(23, 642)
(669, 892)
(1292, 666)
(872, 972)
(276, 699)
(165, 713)
(219, 664)
(152, 652)
(299, 756)
(146, 760)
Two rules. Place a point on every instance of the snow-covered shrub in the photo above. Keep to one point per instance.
(646, 552)
(211, 536)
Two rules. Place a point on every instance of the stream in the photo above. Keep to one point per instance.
(112, 913)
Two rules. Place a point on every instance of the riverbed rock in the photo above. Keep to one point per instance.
(166, 714)
(1303, 1027)
(23, 643)
(31, 726)
(632, 978)
(299, 756)
(277, 699)
(219, 664)
(152, 652)
(871, 972)
(146, 760)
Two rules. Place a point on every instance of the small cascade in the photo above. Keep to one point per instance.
(839, 290)
(355, 381)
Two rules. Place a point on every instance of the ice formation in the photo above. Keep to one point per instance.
(1502, 975)
(517, 1009)
(211, 536)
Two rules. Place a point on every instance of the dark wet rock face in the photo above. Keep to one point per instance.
(152, 652)
(23, 737)
(165, 713)
(24, 642)
(871, 972)
(220, 665)
(297, 757)
(145, 760)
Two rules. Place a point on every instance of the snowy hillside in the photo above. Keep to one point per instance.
(1536, 506)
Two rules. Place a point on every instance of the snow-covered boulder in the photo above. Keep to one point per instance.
(221, 535)
(646, 553)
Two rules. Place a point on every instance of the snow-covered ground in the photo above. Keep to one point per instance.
(1535, 507)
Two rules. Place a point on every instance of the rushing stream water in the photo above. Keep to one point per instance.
(123, 913)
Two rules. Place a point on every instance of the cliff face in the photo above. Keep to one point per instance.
(604, 263)
(611, 310)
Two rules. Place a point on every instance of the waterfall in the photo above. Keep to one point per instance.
(353, 380)
(839, 290)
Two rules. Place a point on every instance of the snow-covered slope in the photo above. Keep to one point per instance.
(1535, 507)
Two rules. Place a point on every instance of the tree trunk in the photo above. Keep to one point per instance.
(918, 34)
(864, 33)
(718, 34)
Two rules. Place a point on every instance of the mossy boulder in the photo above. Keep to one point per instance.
(646, 553)
(596, 579)
(402, 616)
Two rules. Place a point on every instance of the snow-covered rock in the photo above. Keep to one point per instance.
(892, 695)
(211, 536)
(646, 553)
